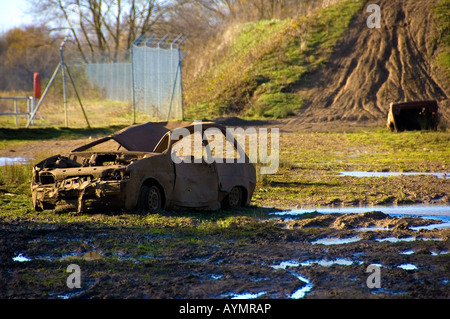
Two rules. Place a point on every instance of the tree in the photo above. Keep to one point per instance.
(104, 26)
(24, 51)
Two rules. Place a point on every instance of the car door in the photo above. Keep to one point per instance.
(230, 163)
(196, 183)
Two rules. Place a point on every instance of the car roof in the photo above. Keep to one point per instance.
(145, 137)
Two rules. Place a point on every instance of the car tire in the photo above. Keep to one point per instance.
(233, 199)
(150, 198)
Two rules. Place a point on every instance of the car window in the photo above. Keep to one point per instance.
(190, 147)
(220, 147)
(163, 145)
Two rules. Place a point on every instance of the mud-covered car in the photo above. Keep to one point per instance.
(157, 165)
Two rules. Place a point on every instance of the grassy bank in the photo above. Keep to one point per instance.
(254, 74)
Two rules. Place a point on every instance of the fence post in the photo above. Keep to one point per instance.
(15, 111)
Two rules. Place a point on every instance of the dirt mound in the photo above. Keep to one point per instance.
(355, 221)
(370, 68)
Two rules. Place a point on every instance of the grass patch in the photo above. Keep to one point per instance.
(442, 13)
(308, 174)
(257, 71)
(276, 105)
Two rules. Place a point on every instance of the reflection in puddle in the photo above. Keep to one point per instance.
(442, 252)
(404, 239)
(395, 239)
(388, 292)
(286, 264)
(70, 294)
(387, 174)
(432, 226)
(407, 252)
(301, 293)
(417, 210)
(336, 241)
(21, 258)
(246, 295)
(328, 263)
(13, 160)
(407, 266)
(372, 228)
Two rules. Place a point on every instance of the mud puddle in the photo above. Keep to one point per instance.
(388, 174)
(14, 160)
(441, 213)
(303, 291)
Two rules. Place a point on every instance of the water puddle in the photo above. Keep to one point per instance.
(388, 174)
(440, 213)
(414, 210)
(300, 293)
(336, 241)
(432, 226)
(286, 264)
(388, 292)
(328, 263)
(247, 295)
(395, 239)
(405, 239)
(88, 256)
(442, 252)
(372, 228)
(14, 160)
(407, 266)
(21, 258)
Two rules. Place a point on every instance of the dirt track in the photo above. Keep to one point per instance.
(370, 68)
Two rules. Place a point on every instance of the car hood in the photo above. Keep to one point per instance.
(140, 137)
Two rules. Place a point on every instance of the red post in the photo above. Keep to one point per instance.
(37, 85)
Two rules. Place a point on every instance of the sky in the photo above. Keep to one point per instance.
(12, 14)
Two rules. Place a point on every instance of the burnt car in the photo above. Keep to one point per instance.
(156, 165)
(413, 115)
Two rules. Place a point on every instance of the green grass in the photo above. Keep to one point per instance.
(442, 14)
(312, 162)
(308, 175)
(257, 72)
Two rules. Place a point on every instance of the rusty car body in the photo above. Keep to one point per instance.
(135, 169)
(414, 115)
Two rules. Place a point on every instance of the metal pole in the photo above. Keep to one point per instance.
(29, 107)
(64, 81)
(133, 102)
(15, 111)
(78, 96)
(43, 95)
(173, 90)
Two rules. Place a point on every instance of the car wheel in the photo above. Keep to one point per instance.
(150, 198)
(234, 198)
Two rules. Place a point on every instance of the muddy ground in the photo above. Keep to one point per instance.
(254, 253)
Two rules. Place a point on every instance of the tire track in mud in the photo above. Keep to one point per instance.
(370, 68)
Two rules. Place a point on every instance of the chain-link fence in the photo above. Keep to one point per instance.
(149, 78)
(156, 67)
(113, 79)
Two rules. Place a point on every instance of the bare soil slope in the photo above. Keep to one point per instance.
(370, 68)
